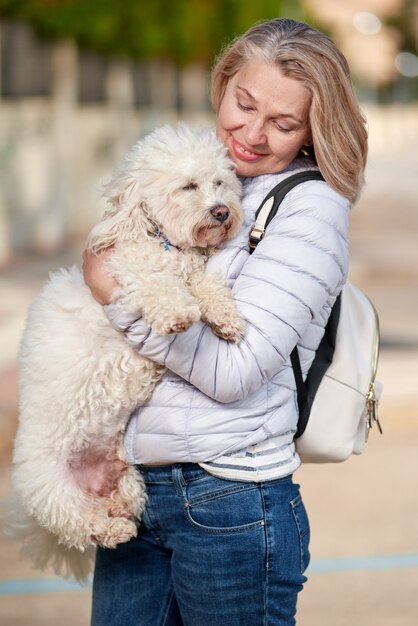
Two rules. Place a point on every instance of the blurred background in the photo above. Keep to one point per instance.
(80, 82)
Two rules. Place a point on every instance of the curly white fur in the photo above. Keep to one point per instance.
(79, 378)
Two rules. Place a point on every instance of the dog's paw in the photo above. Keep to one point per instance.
(119, 530)
(176, 322)
(229, 330)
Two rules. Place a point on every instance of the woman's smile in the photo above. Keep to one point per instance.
(243, 152)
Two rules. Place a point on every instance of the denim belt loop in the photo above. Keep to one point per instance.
(178, 480)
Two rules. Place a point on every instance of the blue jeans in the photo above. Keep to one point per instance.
(209, 552)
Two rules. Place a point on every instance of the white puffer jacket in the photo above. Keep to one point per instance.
(220, 398)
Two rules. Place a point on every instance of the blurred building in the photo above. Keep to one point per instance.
(366, 33)
(67, 116)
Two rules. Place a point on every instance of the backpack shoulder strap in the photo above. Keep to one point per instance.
(264, 214)
(269, 207)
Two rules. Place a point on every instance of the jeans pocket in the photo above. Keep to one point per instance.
(302, 524)
(234, 508)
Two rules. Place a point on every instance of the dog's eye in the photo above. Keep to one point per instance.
(190, 186)
(218, 183)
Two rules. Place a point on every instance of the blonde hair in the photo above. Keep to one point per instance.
(301, 52)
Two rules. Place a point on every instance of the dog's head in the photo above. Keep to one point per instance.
(178, 180)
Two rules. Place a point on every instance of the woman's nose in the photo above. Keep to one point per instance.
(254, 133)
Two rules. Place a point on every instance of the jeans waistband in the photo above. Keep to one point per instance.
(167, 473)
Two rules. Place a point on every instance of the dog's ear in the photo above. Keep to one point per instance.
(120, 223)
(124, 188)
(126, 217)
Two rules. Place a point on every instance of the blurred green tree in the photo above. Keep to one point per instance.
(182, 30)
(405, 22)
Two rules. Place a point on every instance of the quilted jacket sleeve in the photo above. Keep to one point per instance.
(299, 267)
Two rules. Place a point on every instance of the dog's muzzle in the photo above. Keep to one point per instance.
(220, 213)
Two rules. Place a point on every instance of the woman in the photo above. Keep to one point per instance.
(225, 536)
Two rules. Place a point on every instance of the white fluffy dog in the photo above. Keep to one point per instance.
(173, 200)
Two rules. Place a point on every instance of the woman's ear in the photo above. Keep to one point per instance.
(307, 148)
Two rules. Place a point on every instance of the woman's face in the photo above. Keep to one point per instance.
(263, 119)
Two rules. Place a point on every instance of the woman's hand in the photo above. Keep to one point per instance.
(101, 283)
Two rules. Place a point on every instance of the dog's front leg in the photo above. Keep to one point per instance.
(217, 306)
(165, 303)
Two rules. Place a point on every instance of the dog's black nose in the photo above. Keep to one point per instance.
(220, 213)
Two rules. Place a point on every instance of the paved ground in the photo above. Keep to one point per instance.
(363, 512)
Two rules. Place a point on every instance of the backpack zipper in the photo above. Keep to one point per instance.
(372, 401)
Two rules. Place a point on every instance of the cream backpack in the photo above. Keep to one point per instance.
(338, 400)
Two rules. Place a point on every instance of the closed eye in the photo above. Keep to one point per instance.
(190, 186)
(244, 107)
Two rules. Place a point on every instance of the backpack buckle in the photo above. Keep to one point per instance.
(256, 236)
